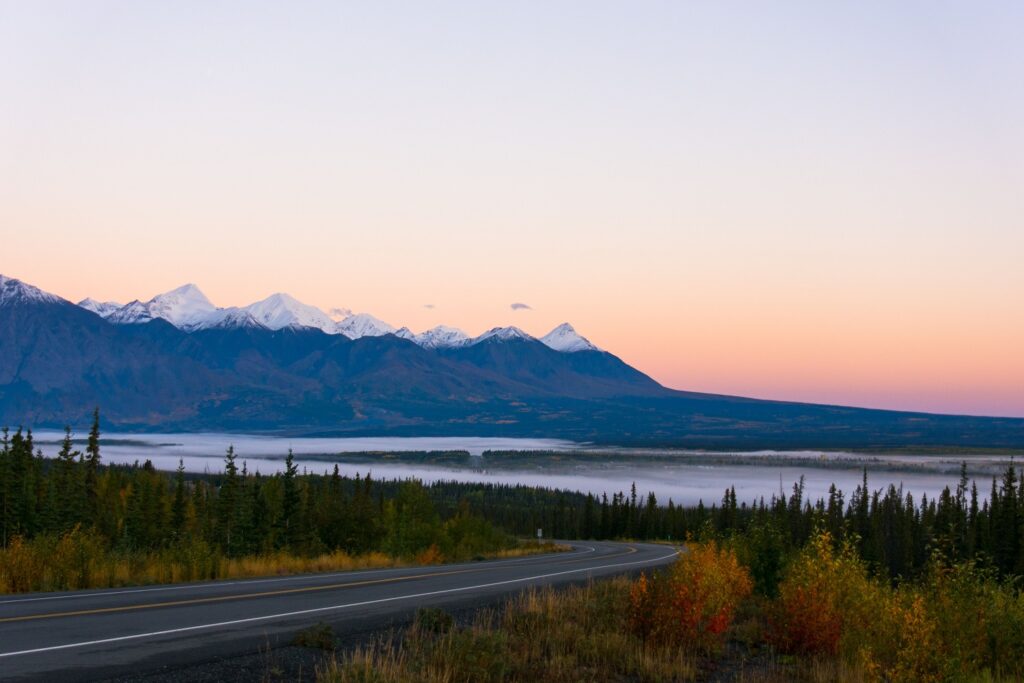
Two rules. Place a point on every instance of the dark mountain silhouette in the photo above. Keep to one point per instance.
(58, 361)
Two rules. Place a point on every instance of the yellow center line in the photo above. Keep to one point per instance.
(223, 598)
(263, 594)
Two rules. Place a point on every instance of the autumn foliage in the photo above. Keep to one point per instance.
(693, 603)
(814, 600)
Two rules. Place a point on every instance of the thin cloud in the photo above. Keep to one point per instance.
(521, 307)
(428, 306)
(339, 312)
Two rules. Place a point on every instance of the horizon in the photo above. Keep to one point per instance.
(824, 207)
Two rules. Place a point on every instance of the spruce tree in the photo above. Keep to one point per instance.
(92, 465)
(178, 506)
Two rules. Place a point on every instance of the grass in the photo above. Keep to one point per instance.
(75, 564)
(574, 634)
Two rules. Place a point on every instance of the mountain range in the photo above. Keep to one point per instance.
(188, 309)
(179, 363)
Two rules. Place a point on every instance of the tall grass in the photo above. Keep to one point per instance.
(541, 635)
(81, 559)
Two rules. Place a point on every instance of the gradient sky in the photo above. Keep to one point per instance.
(800, 200)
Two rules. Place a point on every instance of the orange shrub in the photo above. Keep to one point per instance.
(828, 605)
(693, 603)
(816, 597)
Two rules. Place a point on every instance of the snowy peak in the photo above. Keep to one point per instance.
(14, 291)
(564, 338)
(502, 334)
(363, 325)
(101, 308)
(188, 309)
(283, 310)
(185, 307)
(442, 337)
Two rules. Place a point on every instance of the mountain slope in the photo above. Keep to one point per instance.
(59, 360)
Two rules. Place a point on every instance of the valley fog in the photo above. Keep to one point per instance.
(685, 477)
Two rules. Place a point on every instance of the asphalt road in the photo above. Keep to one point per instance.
(90, 635)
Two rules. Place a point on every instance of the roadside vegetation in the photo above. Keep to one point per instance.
(881, 588)
(827, 619)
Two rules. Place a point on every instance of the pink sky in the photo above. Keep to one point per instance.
(818, 204)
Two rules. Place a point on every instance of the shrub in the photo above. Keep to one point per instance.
(818, 597)
(693, 603)
(828, 605)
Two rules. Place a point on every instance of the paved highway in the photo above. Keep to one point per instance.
(89, 635)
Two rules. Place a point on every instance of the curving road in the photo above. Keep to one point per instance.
(87, 635)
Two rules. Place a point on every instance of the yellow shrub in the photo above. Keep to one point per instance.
(694, 602)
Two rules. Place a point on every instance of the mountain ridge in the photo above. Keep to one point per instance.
(58, 360)
(186, 307)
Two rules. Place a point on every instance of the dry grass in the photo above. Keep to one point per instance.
(79, 561)
(529, 548)
(542, 635)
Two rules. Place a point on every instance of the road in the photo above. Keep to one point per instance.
(90, 635)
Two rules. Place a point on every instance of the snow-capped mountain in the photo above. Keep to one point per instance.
(58, 361)
(188, 308)
(14, 291)
(442, 337)
(100, 308)
(185, 307)
(363, 325)
(565, 338)
(283, 310)
(501, 334)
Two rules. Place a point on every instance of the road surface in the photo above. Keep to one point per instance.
(89, 635)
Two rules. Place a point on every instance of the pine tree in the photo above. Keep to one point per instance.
(66, 506)
(289, 501)
(227, 505)
(178, 506)
(92, 465)
(6, 479)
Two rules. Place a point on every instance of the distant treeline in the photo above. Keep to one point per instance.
(237, 513)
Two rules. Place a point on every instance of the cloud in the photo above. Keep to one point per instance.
(521, 307)
(428, 305)
(339, 312)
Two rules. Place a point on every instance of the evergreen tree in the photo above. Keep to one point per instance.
(92, 464)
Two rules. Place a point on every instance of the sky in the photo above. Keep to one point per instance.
(801, 200)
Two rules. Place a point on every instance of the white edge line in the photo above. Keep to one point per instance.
(299, 577)
(315, 610)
